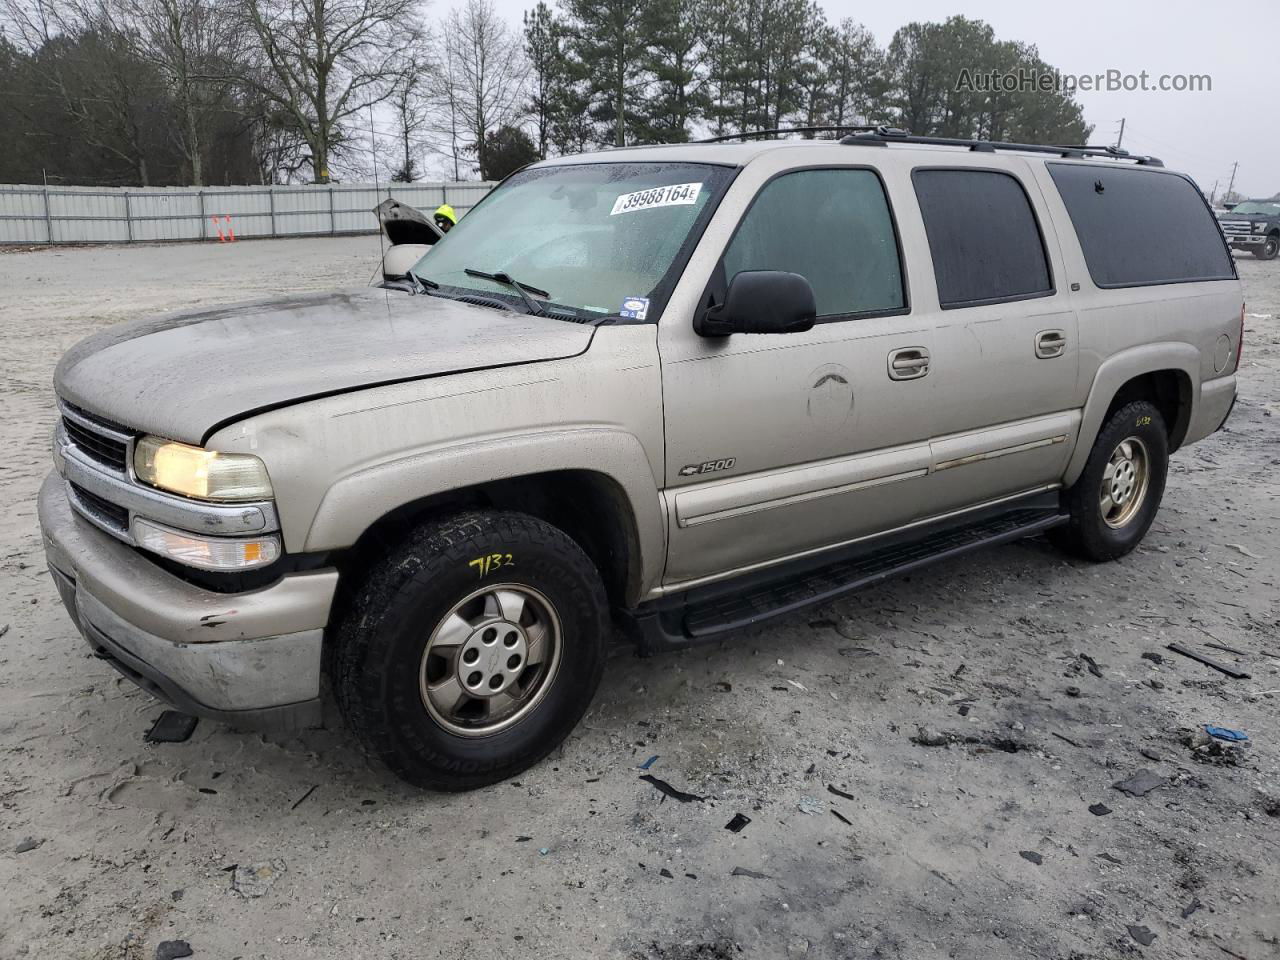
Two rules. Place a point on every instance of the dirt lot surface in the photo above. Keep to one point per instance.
(1042, 681)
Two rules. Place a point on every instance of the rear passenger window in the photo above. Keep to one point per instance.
(1140, 227)
(983, 237)
(832, 227)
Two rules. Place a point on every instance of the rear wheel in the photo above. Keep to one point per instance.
(1270, 249)
(1113, 503)
(473, 649)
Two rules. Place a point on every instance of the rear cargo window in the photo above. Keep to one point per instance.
(833, 227)
(1141, 227)
(983, 237)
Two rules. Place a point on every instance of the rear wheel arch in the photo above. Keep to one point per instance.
(1164, 374)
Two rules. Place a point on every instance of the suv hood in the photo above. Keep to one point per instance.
(183, 375)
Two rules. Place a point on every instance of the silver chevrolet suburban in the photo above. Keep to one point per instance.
(661, 393)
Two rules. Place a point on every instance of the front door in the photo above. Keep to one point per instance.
(782, 444)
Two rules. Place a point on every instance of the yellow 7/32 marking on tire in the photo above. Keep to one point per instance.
(1143, 421)
(490, 562)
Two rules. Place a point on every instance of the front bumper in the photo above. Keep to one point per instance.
(252, 659)
(1247, 240)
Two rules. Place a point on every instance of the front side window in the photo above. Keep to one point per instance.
(599, 238)
(983, 237)
(833, 227)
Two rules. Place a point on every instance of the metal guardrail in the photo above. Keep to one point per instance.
(37, 214)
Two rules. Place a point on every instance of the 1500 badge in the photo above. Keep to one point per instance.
(710, 466)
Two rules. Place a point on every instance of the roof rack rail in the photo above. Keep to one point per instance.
(879, 135)
(760, 134)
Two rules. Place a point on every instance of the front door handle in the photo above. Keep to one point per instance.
(908, 363)
(1050, 344)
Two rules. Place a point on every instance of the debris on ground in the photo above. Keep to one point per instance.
(1141, 934)
(669, 791)
(1191, 907)
(1031, 857)
(738, 822)
(664, 872)
(649, 763)
(1092, 665)
(1110, 858)
(310, 790)
(1140, 784)
(1218, 752)
(841, 817)
(172, 726)
(1073, 691)
(255, 879)
(809, 806)
(927, 737)
(753, 874)
(1244, 551)
(840, 793)
(1224, 733)
(173, 950)
(1208, 661)
(1153, 657)
(27, 845)
(1099, 809)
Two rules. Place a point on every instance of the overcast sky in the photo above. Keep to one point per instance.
(1202, 134)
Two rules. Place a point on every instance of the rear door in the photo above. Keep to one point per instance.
(1006, 363)
(782, 444)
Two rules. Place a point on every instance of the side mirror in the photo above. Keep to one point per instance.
(761, 301)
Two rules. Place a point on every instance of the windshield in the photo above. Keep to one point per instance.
(1264, 207)
(601, 238)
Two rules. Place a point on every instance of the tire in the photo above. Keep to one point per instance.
(396, 696)
(1270, 249)
(1106, 529)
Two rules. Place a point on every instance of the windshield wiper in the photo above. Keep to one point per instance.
(508, 281)
(417, 281)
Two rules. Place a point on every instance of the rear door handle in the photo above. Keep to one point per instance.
(908, 363)
(1050, 344)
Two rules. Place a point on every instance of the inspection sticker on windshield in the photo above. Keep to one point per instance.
(674, 195)
(635, 307)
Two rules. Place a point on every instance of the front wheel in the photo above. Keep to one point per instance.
(1268, 250)
(1115, 499)
(472, 650)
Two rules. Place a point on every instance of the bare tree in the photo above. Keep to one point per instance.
(485, 87)
(322, 62)
(86, 66)
(195, 46)
(412, 101)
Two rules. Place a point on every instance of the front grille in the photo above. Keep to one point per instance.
(1237, 228)
(108, 514)
(95, 444)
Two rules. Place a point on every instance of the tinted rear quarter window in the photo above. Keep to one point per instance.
(1141, 227)
(983, 237)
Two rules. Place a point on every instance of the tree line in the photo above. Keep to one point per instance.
(272, 91)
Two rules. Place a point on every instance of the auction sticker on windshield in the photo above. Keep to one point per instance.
(673, 195)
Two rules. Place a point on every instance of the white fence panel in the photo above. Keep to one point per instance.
(35, 214)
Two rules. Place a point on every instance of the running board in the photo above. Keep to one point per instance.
(701, 616)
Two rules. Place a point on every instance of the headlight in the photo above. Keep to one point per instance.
(205, 553)
(199, 473)
(1259, 228)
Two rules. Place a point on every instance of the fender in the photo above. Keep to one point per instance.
(1113, 374)
(355, 502)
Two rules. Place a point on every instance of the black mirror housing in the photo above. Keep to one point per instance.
(761, 301)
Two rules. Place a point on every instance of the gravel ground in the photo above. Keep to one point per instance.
(862, 842)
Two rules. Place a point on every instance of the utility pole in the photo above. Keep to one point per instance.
(1213, 197)
(1232, 186)
(1120, 138)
